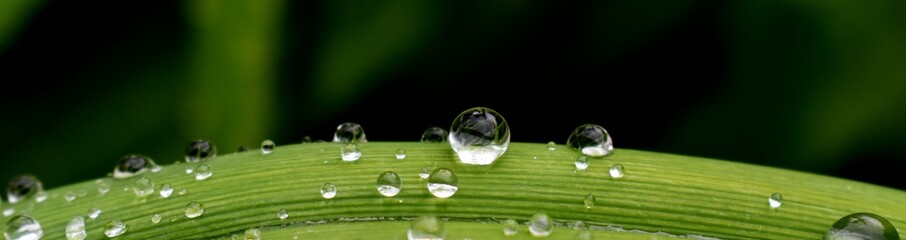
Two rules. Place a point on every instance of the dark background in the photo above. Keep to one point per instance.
(817, 86)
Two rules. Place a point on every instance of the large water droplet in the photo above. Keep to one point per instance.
(75, 229)
(166, 190)
(131, 165)
(114, 228)
(775, 200)
(426, 228)
(200, 150)
(94, 212)
(328, 190)
(616, 171)
(541, 225)
(143, 187)
(434, 135)
(23, 228)
(581, 162)
(349, 133)
(589, 200)
(443, 183)
(253, 234)
(203, 172)
(591, 140)
(862, 226)
(401, 154)
(350, 153)
(194, 210)
(21, 187)
(282, 214)
(156, 218)
(479, 136)
(268, 146)
(389, 184)
(510, 227)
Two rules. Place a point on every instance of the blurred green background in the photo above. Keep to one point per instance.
(817, 86)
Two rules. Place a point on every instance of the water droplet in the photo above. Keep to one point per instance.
(155, 218)
(589, 200)
(389, 184)
(143, 187)
(114, 228)
(510, 227)
(194, 210)
(40, 197)
(349, 133)
(591, 140)
(182, 191)
(9, 212)
(584, 234)
(103, 187)
(350, 152)
(70, 196)
(577, 225)
(94, 212)
(581, 162)
(253, 234)
(775, 200)
(616, 171)
(443, 183)
(23, 228)
(190, 169)
(75, 229)
(82, 193)
(200, 150)
(328, 190)
(426, 228)
(541, 225)
(268, 146)
(166, 190)
(401, 153)
(203, 172)
(21, 187)
(424, 173)
(156, 168)
(479, 136)
(131, 165)
(434, 135)
(551, 146)
(306, 139)
(862, 226)
(282, 214)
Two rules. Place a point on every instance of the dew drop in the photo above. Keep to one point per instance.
(75, 229)
(282, 214)
(426, 228)
(82, 193)
(510, 227)
(349, 133)
(541, 225)
(155, 218)
(589, 200)
(69, 196)
(21, 187)
(389, 184)
(166, 190)
(114, 228)
(143, 187)
(479, 136)
(775, 200)
(23, 227)
(862, 226)
(581, 162)
(94, 212)
(268, 146)
(200, 150)
(424, 173)
(9, 212)
(190, 169)
(584, 234)
(131, 165)
(328, 190)
(306, 139)
(434, 135)
(350, 152)
(253, 234)
(194, 210)
(401, 154)
(616, 171)
(203, 172)
(591, 140)
(41, 197)
(182, 191)
(103, 187)
(443, 183)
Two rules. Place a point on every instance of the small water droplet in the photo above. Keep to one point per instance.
(282, 214)
(443, 183)
(349, 133)
(584, 234)
(40, 197)
(82, 193)
(156, 168)
(581, 162)
(591, 140)
(551, 146)
(75, 229)
(424, 173)
(350, 152)
(775, 200)
(194, 209)
(862, 226)
(426, 228)
(306, 139)
(328, 190)
(94, 212)
(103, 187)
(200, 150)
(182, 191)
(434, 135)
(401, 153)
(268, 146)
(389, 184)
(190, 169)
(155, 218)
(589, 200)
(510, 227)
(166, 190)
(9, 212)
(577, 225)
(541, 225)
(131, 165)
(23, 228)
(616, 171)
(21, 187)
(253, 234)
(114, 228)
(479, 136)
(203, 172)
(70, 196)
(143, 187)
